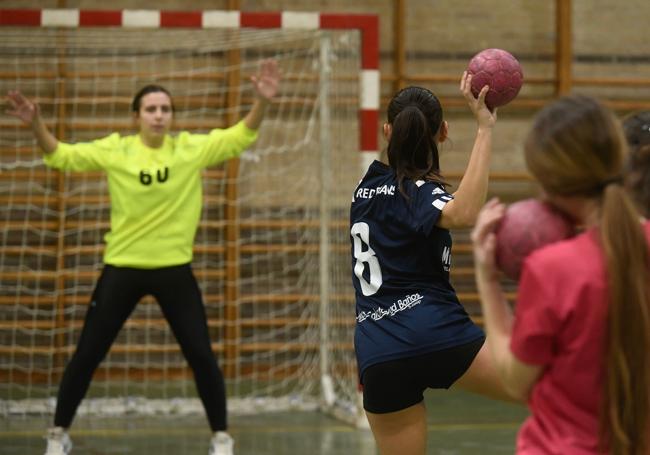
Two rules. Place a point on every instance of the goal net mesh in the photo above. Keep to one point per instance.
(272, 249)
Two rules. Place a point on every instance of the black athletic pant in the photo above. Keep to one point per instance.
(117, 292)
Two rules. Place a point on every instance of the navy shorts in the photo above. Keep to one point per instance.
(398, 384)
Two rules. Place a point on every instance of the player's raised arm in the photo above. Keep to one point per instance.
(472, 190)
(29, 113)
(266, 84)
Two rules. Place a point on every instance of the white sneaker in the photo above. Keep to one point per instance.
(221, 444)
(58, 442)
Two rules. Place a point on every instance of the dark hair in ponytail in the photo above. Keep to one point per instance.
(415, 115)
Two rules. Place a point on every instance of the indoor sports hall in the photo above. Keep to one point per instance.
(272, 249)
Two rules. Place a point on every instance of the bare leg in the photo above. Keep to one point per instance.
(483, 378)
(400, 433)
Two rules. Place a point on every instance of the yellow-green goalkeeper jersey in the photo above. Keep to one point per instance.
(156, 194)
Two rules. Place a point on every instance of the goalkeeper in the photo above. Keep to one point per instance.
(154, 181)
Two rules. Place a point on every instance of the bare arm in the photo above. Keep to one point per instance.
(29, 113)
(472, 190)
(266, 84)
(518, 377)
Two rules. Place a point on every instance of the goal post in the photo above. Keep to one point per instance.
(272, 249)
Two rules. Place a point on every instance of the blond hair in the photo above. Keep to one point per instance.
(577, 148)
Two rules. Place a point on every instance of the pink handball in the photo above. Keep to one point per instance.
(526, 226)
(501, 71)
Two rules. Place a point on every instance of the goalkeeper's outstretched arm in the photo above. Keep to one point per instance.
(29, 113)
(266, 84)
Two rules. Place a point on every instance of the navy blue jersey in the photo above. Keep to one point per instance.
(405, 304)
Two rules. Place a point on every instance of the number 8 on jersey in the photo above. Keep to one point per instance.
(361, 235)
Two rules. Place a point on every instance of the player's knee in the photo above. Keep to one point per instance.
(85, 357)
(199, 355)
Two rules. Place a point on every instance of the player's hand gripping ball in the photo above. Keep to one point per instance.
(526, 226)
(501, 71)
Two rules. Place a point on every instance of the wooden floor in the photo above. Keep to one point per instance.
(459, 424)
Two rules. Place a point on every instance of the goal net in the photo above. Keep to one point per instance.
(272, 249)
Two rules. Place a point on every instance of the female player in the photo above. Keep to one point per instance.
(577, 345)
(155, 187)
(412, 332)
(637, 174)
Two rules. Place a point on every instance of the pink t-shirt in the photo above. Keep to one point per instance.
(560, 323)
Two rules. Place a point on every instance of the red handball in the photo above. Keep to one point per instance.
(526, 226)
(501, 71)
